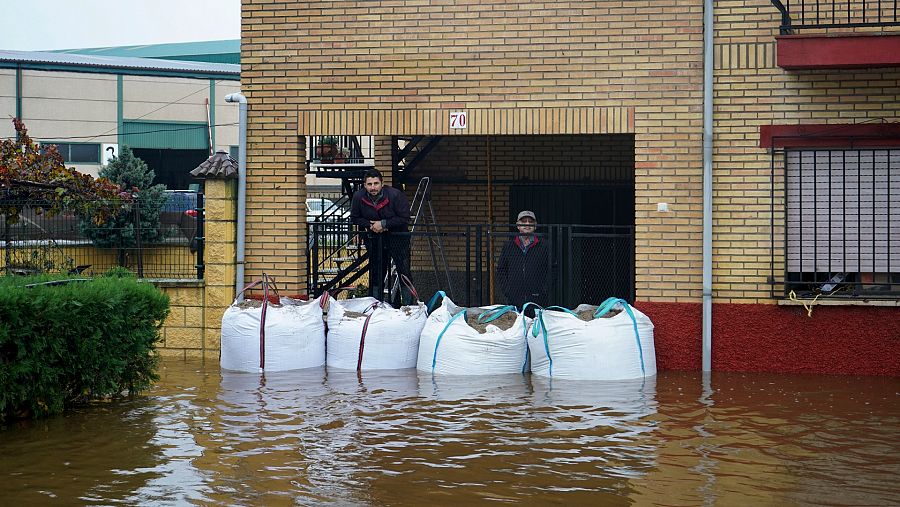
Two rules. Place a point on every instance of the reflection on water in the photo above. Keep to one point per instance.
(204, 436)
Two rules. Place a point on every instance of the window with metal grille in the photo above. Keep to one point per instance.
(842, 222)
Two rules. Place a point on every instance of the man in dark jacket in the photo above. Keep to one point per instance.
(383, 212)
(524, 266)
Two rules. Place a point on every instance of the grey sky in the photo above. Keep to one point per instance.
(35, 25)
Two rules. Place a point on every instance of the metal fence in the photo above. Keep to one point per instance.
(840, 223)
(584, 264)
(161, 240)
(821, 14)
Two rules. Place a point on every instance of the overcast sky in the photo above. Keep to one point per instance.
(35, 25)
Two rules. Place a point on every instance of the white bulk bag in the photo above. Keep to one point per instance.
(391, 339)
(449, 345)
(294, 336)
(614, 348)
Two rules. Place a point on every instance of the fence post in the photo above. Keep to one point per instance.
(376, 271)
(478, 266)
(468, 265)
(6, 253)
(632, 292)
(564, 237)
(200, 235)
(312, 259)
(136, 206)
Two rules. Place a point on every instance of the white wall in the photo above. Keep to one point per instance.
(165, 99)
(69, 106)
(7, 102)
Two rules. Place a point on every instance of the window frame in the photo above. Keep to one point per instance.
(66, 155)
(852, 252)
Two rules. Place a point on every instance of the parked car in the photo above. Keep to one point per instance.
(180, 212)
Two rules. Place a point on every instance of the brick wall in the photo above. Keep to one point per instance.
(183, 331)
(750, 91)
(526, 57)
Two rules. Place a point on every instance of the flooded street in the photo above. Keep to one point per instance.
(207, 437)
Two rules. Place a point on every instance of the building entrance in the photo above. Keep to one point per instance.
(593, 256)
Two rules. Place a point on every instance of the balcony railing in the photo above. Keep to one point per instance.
(824, 14)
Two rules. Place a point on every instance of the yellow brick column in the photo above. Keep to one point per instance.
(383, 158)
(219, 257)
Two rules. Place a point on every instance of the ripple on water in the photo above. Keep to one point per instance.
(205, 436)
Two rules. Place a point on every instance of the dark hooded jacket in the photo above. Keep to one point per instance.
(524, 274)
(393, 208)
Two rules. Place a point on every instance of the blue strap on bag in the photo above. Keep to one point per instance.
(608, 305)
(496, 313)
(440, 336)
(540, 326)
(433, 301)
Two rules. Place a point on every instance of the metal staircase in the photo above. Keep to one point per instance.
(408, 152)
(336, 254)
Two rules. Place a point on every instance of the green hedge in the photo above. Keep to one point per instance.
(67, 343)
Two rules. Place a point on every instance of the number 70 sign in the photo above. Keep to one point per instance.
(459, 120)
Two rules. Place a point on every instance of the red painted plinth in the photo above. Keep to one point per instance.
(796, 52)
(845, 340)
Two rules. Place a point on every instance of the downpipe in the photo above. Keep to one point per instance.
(242, 189)
(707, 181)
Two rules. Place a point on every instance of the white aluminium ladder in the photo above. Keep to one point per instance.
(423, 220)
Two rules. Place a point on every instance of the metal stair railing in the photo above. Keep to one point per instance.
(335, 255)
(823, 14)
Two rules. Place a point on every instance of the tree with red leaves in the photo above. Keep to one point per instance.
(35, 176)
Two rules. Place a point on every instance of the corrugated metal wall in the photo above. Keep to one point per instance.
(166, 135)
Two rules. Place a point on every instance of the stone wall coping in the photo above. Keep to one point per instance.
(175, 282)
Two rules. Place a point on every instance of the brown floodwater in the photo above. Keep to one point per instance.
(208, 437)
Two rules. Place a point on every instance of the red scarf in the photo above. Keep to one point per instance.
(523, 246)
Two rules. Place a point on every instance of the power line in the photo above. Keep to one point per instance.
(204, 88)
(178, 129)
(90, 137)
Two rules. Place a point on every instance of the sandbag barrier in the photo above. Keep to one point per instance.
(364, 333)
(598, 349)
(466, 351)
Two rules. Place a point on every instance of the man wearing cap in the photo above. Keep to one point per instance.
(524, 266)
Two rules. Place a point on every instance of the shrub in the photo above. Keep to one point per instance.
(65, 342)
(119, 231)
